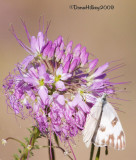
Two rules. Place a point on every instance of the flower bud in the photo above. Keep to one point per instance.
(62, 46)
(47, 49)
(59, 40)
(92, 65)
(84, 60)
(57, 51)
(76, 50)
(69, 47)
(73, 65)
(83, 52)
(66, 67)
(68, 58)
(51, 53)
(59, 56)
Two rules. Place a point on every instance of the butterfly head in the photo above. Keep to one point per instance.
(103, 98)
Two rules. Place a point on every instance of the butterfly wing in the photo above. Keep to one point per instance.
(109, 131)
(91, 122)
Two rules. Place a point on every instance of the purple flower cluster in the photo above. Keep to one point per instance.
(56, 84)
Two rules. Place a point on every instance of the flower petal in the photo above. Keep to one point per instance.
(40, 41)
(60, 86)
(100, 70)
(43, 93)
(65, 76)
(61, 100)
(59, 71)
(33, 44)
(76, 100)
(32, 81)
(84, 107)
(42, 70)
(27, 60)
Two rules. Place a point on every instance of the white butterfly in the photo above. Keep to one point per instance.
(103, 127)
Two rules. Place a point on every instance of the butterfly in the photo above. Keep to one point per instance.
(103, 127)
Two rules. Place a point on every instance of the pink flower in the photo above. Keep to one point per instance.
(56, 84)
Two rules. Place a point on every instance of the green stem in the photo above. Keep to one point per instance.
(98, 153)
(92, 151)
(51, 150)
(35, 134)
(33, 137)
(56, 139)
(15, 140)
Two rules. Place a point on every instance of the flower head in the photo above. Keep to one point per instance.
(57, 84)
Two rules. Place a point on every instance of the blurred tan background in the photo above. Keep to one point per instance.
(110, 35)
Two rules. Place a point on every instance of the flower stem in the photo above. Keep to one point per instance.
(56, 139)
(15, 140)
(35, 134)
(31, 143)
(51, 150)
(71, 150)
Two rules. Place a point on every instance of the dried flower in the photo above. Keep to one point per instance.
(29, 147)
(3, 141)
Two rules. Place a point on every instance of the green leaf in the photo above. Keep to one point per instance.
(98, 153)
(92, 151)
(31, 153)
(56, 139)
(29, 130)
(36, 147)
(23, 145)
(19, 150)
(26, 139)
(16, 157)
(39, 136)
(33, 127)
(36, 141)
